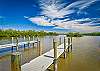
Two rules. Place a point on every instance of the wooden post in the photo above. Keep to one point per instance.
(24, 41)
(12, 49)
(12, 41)
(33, 38)
(17, 48)
(24, 38)
(64, 47)
(68, 43)
(33, 44)
(37, 42)
(71, 43)
(55, 55)
(28, 41)
(59, 40)
(39, 48)
(16, 61)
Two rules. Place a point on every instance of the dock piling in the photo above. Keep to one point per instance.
(12, 41)
(68, 43)
(37, 42)
(55, 55)
(71, 43)
(33, 38)
(17, 47)
(39, 48)
(16, 61)
(59, 40)
(28, 41)
(64, 47)
(24, 41)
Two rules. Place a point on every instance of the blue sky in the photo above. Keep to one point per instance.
(50, 15)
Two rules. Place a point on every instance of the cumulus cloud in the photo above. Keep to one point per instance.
(40, 21)
(75, 25)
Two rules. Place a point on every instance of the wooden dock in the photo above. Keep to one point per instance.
(14, 44)
(42, 62)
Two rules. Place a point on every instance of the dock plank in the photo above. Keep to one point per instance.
(42, 62)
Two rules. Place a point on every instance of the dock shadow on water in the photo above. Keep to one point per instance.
(85, 55)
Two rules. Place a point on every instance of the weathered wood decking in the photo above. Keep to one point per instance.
(42, 62)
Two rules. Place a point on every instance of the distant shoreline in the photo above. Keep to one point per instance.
(16, 33)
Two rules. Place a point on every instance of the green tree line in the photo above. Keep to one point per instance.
(92, 34)
(77, 34)
(17, 33)
(74, 34)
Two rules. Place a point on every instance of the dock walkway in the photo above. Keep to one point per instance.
(14, 44)
(42, 62)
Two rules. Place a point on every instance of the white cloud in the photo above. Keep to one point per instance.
(26, 17)
(57, 9)
(40, 21)
(54, 9)
(83, 19)
(86, 4)
(75, 25)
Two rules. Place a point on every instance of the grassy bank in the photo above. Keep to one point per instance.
(17, 33)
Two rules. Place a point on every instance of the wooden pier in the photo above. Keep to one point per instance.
(18, 43)
(42, 62)
(15, 46)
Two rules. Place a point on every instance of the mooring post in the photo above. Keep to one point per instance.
(68, 43)
(55, 55)
(16, 61)
(24, 41)
(17, 47)
(37, 42)
(12, 41)
(64, 47)
(39, 48)
(71, 43)
(29, 41)
(33, 38)
(33, 42)
(59, 40)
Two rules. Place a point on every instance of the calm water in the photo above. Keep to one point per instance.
(85, 55)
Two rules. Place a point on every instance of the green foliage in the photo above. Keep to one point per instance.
(15, 33)
(92, 34)
(76, 34)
